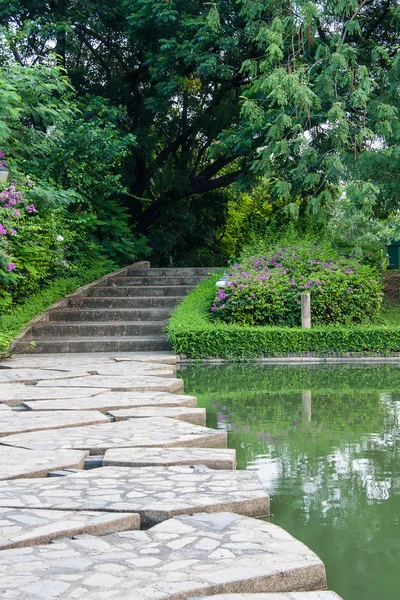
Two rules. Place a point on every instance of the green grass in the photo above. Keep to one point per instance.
(12, 323)
(192, 333)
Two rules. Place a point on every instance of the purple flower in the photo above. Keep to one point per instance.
(13, 231)
(31, 208)
(17, 213)
(3, 230)
(11, 267)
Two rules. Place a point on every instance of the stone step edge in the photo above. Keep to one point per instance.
(81, 292)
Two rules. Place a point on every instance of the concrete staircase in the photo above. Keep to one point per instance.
(126, 312)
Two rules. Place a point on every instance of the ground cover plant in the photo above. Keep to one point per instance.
(266, 289)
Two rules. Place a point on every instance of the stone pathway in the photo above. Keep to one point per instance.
(94, 448)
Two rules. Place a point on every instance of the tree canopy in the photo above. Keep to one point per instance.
(305, 94)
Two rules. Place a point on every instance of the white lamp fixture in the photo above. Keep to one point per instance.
(223, 282)
(3, 174)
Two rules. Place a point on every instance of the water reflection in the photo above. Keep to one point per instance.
(325, 442)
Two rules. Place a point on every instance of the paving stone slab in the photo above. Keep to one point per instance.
(214, 458)
(100, 366)
(133, 384)
(156, 493)
(19, 462)
(14, 395)
(13, 422)
(41, 360)
(105, 402)
(180, 558)
(27, 527)
(197, 416)
(152, 432)
(321, 595)
(8, 376)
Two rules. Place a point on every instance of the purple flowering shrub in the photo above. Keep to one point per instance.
(30, 251)
(266, 290)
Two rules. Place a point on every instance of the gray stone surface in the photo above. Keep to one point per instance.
(18, 462)
(180, 558)
(156, 493)
(214, 458)
(13, 422)
(321, 595)
(32, 375)
(105, 402)
(27, 527)
(133, 384)
(15, 394)
(197, 416)
(153, 432)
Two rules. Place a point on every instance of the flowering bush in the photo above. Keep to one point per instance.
(266, 290)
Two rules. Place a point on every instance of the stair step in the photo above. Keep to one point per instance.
(104, 314)
(174, 272)
(153, 291)
(152, 281)
(92, 344)
(99, 328)
(128, 302)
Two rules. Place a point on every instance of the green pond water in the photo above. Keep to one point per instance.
(325, 442)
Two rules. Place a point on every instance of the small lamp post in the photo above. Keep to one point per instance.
(3, 174)
(223, 281)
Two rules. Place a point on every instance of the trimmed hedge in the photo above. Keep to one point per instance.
(192, 333)
(12, 323)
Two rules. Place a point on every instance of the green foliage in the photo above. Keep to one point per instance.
(266, 289)
(193, 334)
(40, 245)
(32, 99)
(12, 323)
(302, 93)
(87, 155)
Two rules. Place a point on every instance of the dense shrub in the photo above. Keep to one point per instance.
(39, 245)
(266, 290)
(193, 333)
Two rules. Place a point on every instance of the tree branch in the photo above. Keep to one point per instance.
(103, 40)
(199, 186)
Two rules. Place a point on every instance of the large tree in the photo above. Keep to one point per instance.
(305, 93)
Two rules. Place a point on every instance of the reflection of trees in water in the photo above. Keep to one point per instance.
(330, 459)
(235, 377)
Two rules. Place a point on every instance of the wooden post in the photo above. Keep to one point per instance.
(306, 311)
(306, 405)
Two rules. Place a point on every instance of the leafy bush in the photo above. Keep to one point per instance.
(40, 245)
(193, 333)
(266, 290)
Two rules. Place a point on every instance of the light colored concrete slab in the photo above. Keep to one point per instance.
(197, 416)
(44, 360)
(26, 527)
(105, 402)
(137, 433)
(321, 595)
(13, 422)
(132, 384)
(32, 375)
(4, 407)
(214, 458)
(156, 493)
(19, 462)
(15, 394)
(177, 559)
(129, 369)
